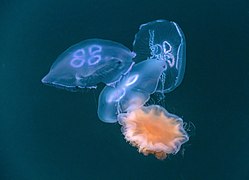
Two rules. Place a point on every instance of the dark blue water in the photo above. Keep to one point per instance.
(47, 133)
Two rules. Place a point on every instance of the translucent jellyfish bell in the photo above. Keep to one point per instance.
(132, 92)
(163, 40)
(88, 63)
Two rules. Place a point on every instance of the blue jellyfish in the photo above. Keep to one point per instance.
(88, 63)
(132, 92)
(163, 40)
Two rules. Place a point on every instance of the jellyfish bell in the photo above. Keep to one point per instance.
(131, 92)
(163, 40)
(88, 63)
(153, 130)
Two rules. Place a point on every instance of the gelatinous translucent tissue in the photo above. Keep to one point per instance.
(163, 40)
(133, 90)
(156, 65)
(88, 63)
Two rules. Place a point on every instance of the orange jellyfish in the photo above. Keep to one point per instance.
(153, 130)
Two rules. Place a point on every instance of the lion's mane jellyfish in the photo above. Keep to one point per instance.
(153, 130)
(156, 66)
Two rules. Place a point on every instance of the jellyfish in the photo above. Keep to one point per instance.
(88, 63)
(163, 40)
(153, 130)
(132, 92)
(156, 65)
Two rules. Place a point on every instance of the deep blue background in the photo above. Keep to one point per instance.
(47, 133)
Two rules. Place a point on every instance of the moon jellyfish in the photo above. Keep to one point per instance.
(163, 40)
(132, 92)
(156, 66)
(88, 63)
